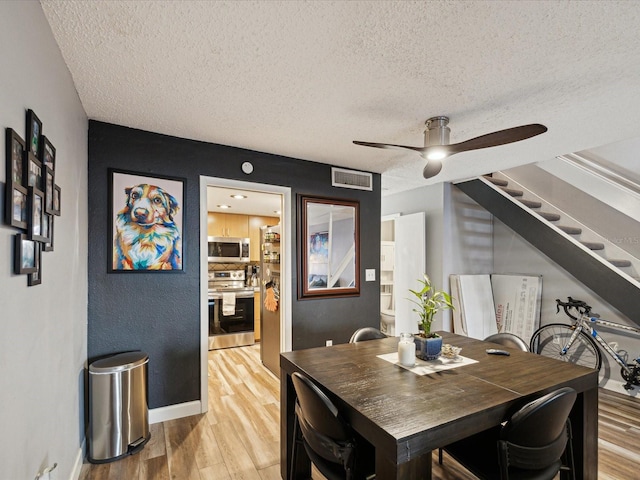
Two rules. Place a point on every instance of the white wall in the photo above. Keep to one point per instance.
(43, 344)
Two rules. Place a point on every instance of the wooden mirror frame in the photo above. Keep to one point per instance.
(304, 289)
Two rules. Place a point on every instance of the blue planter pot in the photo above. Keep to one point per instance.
(428, 348)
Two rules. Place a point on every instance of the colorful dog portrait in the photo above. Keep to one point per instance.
(147, 222)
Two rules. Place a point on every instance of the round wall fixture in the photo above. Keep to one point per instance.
(247, 167)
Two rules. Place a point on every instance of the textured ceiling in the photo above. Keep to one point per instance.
(305, 78)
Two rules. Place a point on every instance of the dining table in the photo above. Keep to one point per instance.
(406, 413)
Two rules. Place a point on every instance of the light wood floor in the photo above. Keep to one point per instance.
(239, 437)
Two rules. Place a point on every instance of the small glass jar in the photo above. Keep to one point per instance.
(407, 350)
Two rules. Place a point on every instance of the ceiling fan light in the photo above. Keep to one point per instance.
(437, 154)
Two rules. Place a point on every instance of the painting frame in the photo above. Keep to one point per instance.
(35, 230)
(32, 171)
(15, 150)
(57, 200)
(146, 222)
(17, 206)
(34, 133)
(48, 246)
(49, 188)
(24, 254)
(35, 278)
(47, 153)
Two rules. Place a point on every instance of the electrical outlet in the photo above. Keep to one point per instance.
(328, 343)
(370, 274)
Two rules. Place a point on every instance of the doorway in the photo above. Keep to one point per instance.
(267, 193)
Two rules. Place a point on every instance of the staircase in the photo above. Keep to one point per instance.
(599, 264)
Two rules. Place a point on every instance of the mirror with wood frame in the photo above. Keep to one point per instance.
(329, 247)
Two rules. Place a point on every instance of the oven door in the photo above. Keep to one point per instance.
(234, 329)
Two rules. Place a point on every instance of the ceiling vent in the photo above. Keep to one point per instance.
(351, 179)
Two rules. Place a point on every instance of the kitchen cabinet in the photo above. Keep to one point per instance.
(255, 222)
(227, 225)
(256, 315)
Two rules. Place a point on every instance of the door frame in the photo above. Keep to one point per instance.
(286, 243)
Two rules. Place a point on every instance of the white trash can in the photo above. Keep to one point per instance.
(119, 411)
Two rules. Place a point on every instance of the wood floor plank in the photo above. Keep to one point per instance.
(239, 437)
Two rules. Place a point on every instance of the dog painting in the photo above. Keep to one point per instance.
(147, 228)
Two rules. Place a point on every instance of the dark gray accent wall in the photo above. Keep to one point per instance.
(159, 313)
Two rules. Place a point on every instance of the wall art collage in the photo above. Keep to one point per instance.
(32, 196)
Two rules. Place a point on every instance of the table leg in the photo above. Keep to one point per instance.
(584, 423)
(302, 468)
(416, 469)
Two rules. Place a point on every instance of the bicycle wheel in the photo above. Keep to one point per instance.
(551, 339)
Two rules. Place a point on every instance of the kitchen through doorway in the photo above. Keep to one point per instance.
(245, 269)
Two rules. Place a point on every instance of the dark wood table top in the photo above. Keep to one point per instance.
(407, 415)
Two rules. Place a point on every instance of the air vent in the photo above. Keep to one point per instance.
(351, 179)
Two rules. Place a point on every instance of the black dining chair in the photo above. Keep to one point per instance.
(534, 443)
(366, 333)
(508, 340)
(329, 441)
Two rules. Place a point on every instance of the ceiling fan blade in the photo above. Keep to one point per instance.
(501, 137)
(432, 168)
(389, 145)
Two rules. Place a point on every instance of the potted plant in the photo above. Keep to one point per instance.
(429, 302)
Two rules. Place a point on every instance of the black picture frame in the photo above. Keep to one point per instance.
(36, 228)
(157, 225)
(57, 200)
(17, 206)
(24, 255)
(15, 148)
(35, 278)
(32, 171)
(34, 132)
(49, 187)
(47, 153)
(48, 246)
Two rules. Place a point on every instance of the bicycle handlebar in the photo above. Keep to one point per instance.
(579, 305)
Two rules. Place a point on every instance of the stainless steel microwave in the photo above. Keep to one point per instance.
(228, 249)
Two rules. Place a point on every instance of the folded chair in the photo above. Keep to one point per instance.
(534, 444)
(329, 441)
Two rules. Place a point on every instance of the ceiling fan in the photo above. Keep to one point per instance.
(437, 146)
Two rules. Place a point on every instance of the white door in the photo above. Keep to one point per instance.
(410, 264)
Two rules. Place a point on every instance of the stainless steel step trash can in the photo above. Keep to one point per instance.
(119, 412)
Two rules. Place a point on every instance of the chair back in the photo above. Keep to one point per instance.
(366, 333)
(535, 437)
(323, 430)
(508, 340)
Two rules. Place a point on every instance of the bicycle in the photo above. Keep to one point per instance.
(578, 343)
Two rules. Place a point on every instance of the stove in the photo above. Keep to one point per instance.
(221, 281)
(231, 309)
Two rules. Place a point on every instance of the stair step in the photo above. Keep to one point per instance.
(530, 203)
(620, 263)
(513, 192)
(497, 181)
(552, 217)
(571, 231)
(593, 245)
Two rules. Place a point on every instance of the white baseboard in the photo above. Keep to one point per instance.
(172, 412)
(77, 465)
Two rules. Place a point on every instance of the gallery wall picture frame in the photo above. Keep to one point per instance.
(17, 206)
(57, 200)
(34, 131)
(15, 148)
(48, 246)
(47, 153)
(36, 230)
(49, 186)
(32, 171)
(146, 222)
(35, 278)
(24, 255)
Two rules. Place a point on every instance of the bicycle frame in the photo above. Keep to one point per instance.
(586, 322)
